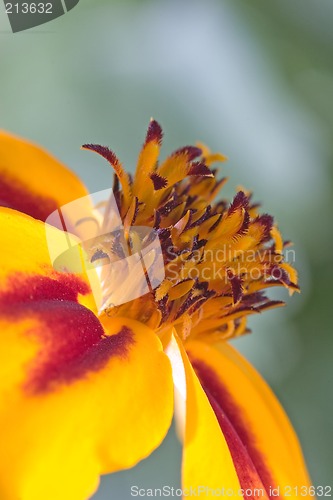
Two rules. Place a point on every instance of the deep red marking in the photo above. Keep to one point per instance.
(239, 201)
(16, 195)
(279, 274)
(28, 290)
(191, 151)
(197, 244)
(205, 216)
(236, 286)
(73, 342)
(248, 460)
(193, 302)
(158, 181)
(270, 304)
(104, 151)
(246, 471)
(245, 224)
(267, 222)
(214, 226)
(168, 207)
(199, 168)
(255, 298)
(154, 132)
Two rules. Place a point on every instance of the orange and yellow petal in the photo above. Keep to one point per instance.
(207, 461)
(32, 181)
(78, 398)
(250, 415)
(147, 160)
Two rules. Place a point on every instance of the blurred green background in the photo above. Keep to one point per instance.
(252, 79)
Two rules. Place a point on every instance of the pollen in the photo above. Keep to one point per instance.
(219, 256)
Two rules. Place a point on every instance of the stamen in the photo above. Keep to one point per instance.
(217, 256)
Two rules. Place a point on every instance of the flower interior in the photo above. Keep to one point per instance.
(218, 256)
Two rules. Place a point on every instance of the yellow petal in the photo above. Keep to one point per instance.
(147, 159)
(207, 461)
(257, 417)
(32, 181)
(77, 397)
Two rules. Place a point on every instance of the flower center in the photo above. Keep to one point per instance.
(216, 257)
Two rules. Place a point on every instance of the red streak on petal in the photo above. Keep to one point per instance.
(236, 286)
(15, 194)
(239, 201)
(105, 152)
(31, 289)
(267, 222)
(154, 133)
(246, 471)
(73, 342)
(249, 462)
(192, 152)
(199, 168)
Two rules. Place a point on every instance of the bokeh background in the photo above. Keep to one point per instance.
(252, 79)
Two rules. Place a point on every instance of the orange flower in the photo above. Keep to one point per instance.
(89, 390)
